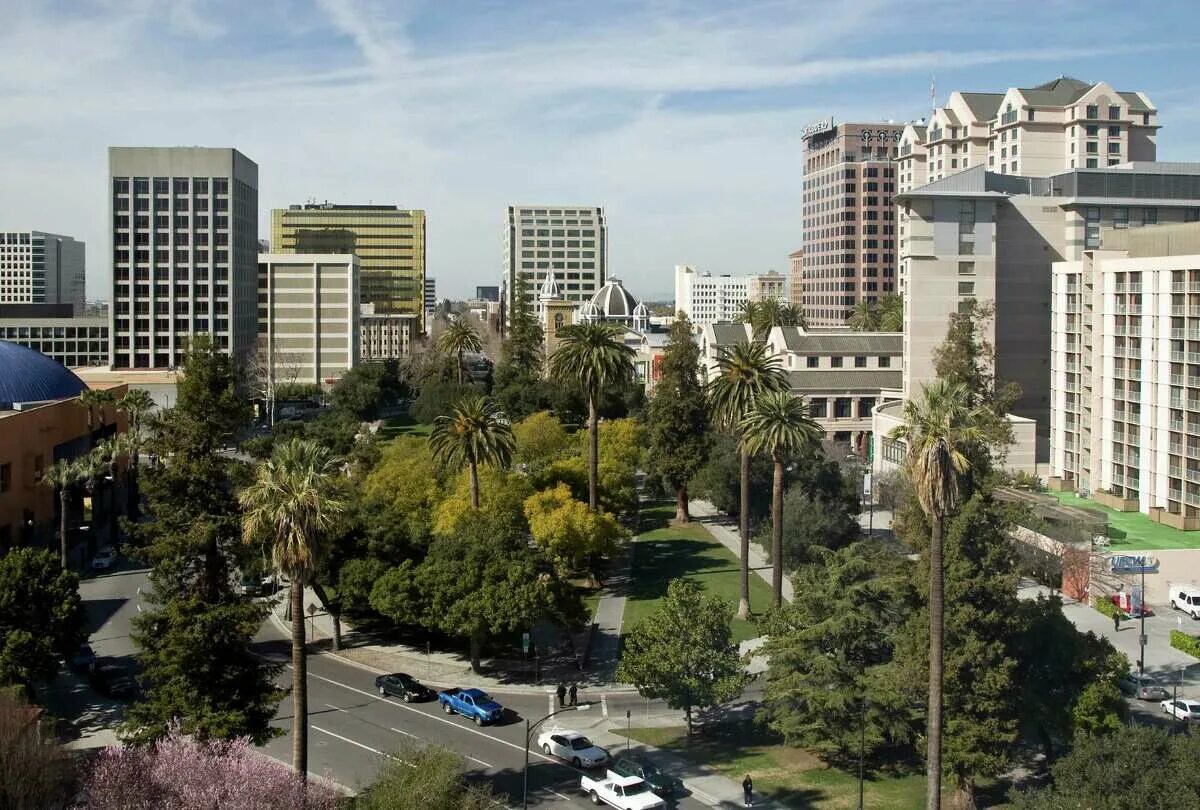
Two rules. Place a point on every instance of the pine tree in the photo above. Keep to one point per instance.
(519, 374)
(677, 418)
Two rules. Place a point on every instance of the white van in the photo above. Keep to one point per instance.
(1185, 596)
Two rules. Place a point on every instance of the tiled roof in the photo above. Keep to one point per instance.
(845, 379)
(1135, 102)
(727, 334)
(983, 105)
(876, 343)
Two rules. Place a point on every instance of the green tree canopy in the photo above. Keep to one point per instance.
(407, 483)
(424, 776)
(474, 432)
(570, 533)
(540, 439)
(458, 338)
(41, 615)
(684, 652)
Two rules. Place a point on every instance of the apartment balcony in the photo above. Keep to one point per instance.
(1132, 309)
(1009, 117)
(1175, 495)
(1178, 357)
(1175, 449)
(1175, 424)
(1131, 287)
(1072, 387)
(1176, 379)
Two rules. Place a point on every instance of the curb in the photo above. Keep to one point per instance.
(521, 691)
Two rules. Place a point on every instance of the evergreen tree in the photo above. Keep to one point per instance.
(519, 374)
(194, 644)
(41, 616)
(677, 419)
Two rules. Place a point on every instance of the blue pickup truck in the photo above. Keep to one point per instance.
(473, 703)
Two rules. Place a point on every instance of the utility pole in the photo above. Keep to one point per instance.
(1142, 635)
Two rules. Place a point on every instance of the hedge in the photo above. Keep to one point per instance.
(1106, 606)
(1185, 642)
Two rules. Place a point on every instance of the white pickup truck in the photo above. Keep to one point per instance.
(621, 792)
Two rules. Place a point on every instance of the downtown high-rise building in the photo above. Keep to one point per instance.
(389, 242)
(37, 267)
(849, 218)
(568, 242)
(184, 231)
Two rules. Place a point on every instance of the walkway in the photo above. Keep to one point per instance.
(610, 614)
(725, 530)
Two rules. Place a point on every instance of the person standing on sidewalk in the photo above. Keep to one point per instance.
(562, 694)
(748, 790)
(574, 693)
(1116, 622)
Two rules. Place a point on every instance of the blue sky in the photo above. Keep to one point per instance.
(681, 118)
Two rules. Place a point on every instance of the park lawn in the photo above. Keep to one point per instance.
(1133, 531)
(403, 426)
(790, 776)
(663, 552)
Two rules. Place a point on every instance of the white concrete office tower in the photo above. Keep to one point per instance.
(37, 267)
(706, 298)
(1061, 125)
(568, 241)
(308, 316)
(1126, 373)
(184, 225)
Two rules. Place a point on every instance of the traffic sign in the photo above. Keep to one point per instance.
(525, 642)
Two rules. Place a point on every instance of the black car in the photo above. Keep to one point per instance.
(647, 771)
(114, 681)
(403, 686)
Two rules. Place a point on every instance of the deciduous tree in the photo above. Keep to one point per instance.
(570, 533)
(540, 439)
(429, 776)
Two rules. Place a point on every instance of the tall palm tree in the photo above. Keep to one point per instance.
(891, 313)
(594, 356)
(745, 371)
(108, 455)
(937, 427)
(865, 317)
(771, 312)
(62, 475)
(292, 501)
(95, 398)
(475, 432)
(458, 337)
(780, 425)
(137, 405)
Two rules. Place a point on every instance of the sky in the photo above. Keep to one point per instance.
(681, 117)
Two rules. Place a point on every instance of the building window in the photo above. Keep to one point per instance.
(885, 362)
(1114, 148)
(860, 362)
(1114, 113)
(812, 361)
(1091, 163)
(1093, 111)
(5, 477)
(818, 407)
(1093, 148)
(1114, 132)
(835, 362)
(966, 268)
(1093, 130)
(842, 407)
(966, 288)
(1121, 217)
(1149, 216)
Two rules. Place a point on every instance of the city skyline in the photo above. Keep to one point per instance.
(683, 123)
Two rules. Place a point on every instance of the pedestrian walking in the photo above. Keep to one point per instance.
(748, 790)
(1116, 622)
(562, 694)
(574, 693)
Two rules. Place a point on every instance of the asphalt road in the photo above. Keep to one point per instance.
(352, 728)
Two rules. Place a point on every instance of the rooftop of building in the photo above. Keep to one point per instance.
(328, 206)
(1164, 183)
(1165, 239)
(846, 379)
(28, 376)
(1131, 531)
(809, 341)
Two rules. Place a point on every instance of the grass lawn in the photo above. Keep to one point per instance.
(1133, 531)
(663, 552)
(403, 426)
(790, 776)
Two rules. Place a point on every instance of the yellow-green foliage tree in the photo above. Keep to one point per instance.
(621, 444)
(408, 482)
(541, 439)
(570, 533)
(502, 497)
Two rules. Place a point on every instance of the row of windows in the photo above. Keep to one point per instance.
(163, 185)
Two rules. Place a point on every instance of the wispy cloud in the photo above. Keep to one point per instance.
(463, 107)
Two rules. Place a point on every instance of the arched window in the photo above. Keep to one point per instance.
(558, 321)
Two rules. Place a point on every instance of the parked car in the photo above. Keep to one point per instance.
(1185, 597)
(403, 686)
(622, 792)
(83, 659)
(647, 771)
(114, 681)
(572, 747)
(104, 559)
(1141, 687)
(473, 703)
(249, 585)
(1182, 708)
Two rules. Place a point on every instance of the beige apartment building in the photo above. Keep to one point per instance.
(1126, 373)
(796, 279)
(308, 315)
(849, 217)
(1036, 132)
(766, 286)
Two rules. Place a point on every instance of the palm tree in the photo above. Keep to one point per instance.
(137, 404)
(458, 337)
(865, 317)
(937, 427)
(779, 424)
(108, 455)
(475, 432)
(744, 371)
(62, 475)
(891, 313)
(766, 314)
(594, 356)
(292, 501)
(95, 398)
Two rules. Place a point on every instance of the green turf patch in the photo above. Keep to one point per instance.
(403, 426)
(1132, 531)
(663, 552)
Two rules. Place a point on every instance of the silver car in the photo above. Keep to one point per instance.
(1142, 688)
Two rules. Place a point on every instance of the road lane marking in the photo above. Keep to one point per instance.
(352, 742)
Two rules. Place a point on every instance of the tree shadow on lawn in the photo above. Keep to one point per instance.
(657, 562)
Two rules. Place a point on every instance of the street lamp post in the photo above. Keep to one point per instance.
(1142, 631)
(582, 707)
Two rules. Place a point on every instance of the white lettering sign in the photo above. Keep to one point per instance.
(817, 127)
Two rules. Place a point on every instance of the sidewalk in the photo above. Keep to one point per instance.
(725, 530)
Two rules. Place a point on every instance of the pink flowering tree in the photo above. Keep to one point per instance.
(180, 773)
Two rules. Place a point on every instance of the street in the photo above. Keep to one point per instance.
(351, 726)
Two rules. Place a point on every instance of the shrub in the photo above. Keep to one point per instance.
(1107, 607)
(1186, 643)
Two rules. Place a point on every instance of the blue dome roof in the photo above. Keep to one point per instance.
(30, 376)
